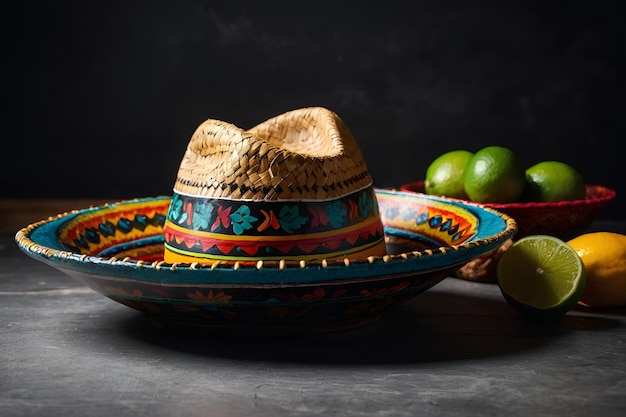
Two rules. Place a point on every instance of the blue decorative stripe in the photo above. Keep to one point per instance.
(271, 218)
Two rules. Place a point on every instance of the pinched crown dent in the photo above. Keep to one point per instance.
(304, 154)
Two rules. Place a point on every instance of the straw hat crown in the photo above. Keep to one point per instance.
(304, 154)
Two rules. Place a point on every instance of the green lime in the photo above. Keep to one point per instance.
(553, 181)
(444, 175)
(494, 175)
(541, 276)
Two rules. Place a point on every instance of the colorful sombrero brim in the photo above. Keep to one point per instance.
(117, 250)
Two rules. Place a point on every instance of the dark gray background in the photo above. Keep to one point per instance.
(101, 98)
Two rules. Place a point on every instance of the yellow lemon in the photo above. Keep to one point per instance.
(604, 256)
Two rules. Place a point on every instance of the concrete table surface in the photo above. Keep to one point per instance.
(456, 350)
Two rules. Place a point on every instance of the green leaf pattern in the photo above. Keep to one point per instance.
(202, 212)
(242, 220)
(364, 205)
(336, 214)
(290, 219)
(176, 212)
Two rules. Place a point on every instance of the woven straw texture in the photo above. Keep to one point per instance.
(303, 154)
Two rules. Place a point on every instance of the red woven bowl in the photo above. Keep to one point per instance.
(562, 219)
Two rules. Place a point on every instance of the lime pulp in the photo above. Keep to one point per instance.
(541, 275)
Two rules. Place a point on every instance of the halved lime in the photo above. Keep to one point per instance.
(541, 276)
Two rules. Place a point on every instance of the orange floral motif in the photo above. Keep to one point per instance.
(210, 297)
(207, 312)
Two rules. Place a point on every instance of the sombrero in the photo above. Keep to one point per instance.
(276, 228)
